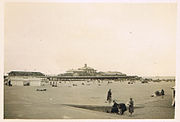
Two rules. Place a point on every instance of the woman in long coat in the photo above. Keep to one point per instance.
(109, 96)
(131, 106)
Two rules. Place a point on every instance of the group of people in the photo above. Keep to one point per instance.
(53, 84)
(120, 108)
(159, 93)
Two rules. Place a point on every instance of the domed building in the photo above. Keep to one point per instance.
(89, 71)
(86, 71)
(83, 71)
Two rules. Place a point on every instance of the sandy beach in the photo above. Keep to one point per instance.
(60, 59)
(24, 102)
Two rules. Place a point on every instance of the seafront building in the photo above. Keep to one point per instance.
(89, 71)
(83, 71)
(23, 78)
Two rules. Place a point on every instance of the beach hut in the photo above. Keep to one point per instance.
(22, 78)
(173, 96)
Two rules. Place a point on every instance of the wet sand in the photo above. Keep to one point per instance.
(56, 103)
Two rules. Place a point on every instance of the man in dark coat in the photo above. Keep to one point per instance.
(122, 108)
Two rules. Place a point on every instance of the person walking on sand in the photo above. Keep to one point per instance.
(162, 93)
(131, 106)
(109, 96)
(9, 83)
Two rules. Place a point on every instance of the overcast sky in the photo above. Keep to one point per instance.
(136, 39)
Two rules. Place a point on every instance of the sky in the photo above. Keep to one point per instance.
(133, 38)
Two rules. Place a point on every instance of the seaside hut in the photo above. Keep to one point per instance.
(22, 78)
(173, 96)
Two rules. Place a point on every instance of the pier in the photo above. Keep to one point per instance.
(57, 78)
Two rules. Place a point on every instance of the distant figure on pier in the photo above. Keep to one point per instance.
(109, 96)
(131, 106)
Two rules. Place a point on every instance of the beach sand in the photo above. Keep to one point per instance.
(24, 102)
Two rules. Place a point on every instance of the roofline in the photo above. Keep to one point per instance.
(26, 71)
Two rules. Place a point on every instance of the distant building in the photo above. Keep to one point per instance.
(88, 71)
(113, 73)
(84, 71)
(22, 78)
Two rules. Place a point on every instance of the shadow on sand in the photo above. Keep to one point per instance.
(105, 109)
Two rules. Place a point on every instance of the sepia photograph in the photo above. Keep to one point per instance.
(89, 60)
